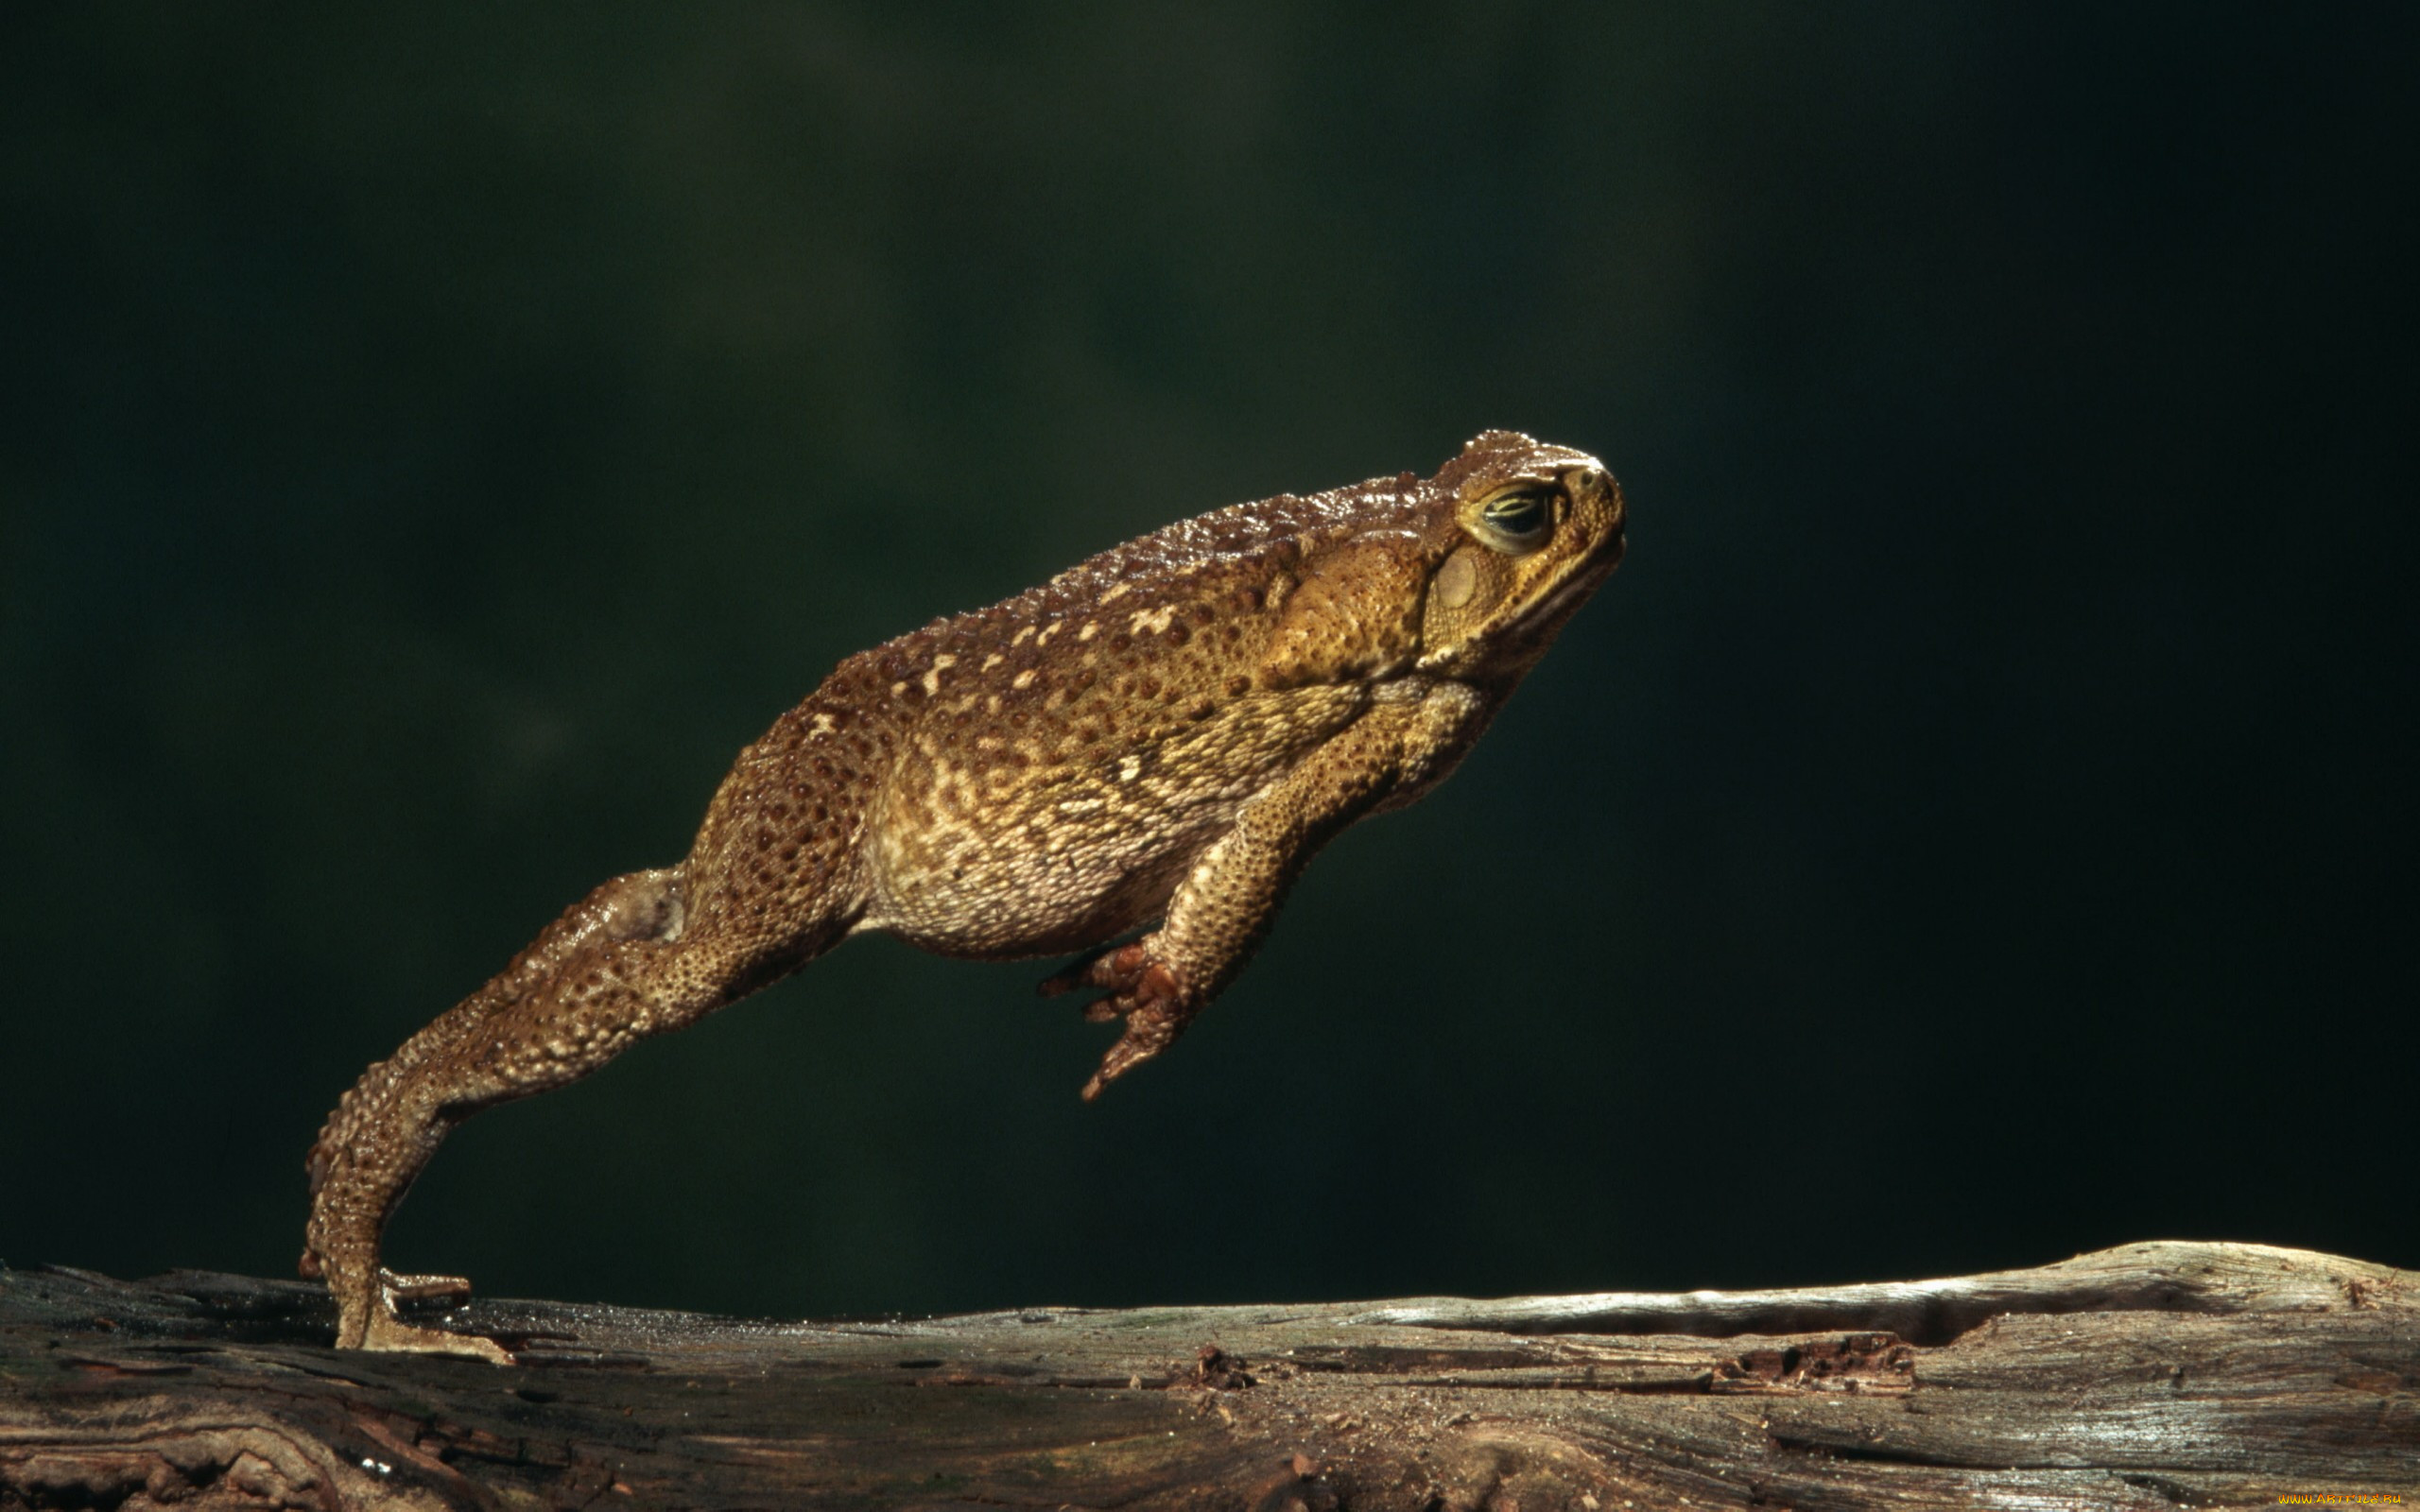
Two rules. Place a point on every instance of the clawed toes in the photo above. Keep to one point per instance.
(387, 1333)
(1123, 1057)
(1117, 968)
(1116, 1064)
(1132, 978)
(1141, 988)
(423, 1288)
(1154, 988)
(1149, 1031)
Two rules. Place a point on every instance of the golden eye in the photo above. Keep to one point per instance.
(1520, 518)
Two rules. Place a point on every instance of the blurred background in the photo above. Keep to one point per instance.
(1976, 826)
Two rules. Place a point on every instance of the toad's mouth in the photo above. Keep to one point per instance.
(1552, 609)
(1564, 597)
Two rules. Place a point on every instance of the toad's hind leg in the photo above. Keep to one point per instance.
(642, 954)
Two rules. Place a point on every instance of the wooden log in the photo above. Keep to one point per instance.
(2154, 1376)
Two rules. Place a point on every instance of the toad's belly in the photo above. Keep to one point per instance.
(1004, 861)
(1072, 889)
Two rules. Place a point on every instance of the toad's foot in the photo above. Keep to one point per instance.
(386, 1331)
(423, 1288)
(1150, 1029)
(1144, 990)
(380, 1329)
(383, 1330)
(1127, 970)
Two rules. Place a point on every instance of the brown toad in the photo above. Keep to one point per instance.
(1161, 736)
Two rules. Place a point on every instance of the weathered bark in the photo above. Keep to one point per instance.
(2151, 1376)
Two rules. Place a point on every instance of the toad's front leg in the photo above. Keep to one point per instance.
(1221, 911)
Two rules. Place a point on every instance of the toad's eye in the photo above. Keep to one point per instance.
(1518, 519)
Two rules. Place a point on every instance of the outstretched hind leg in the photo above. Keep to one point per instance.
(626, 962)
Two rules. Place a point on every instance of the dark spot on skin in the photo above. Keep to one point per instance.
(1238, 685)
(1178, 635)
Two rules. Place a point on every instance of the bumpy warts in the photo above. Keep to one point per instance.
(1158, 739)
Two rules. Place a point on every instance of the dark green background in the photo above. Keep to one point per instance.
(1975, 825)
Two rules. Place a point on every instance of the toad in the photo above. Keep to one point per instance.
(1133, 761)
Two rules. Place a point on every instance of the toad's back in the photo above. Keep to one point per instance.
(1060, 760)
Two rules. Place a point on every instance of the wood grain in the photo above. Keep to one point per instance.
(2153, 1376)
